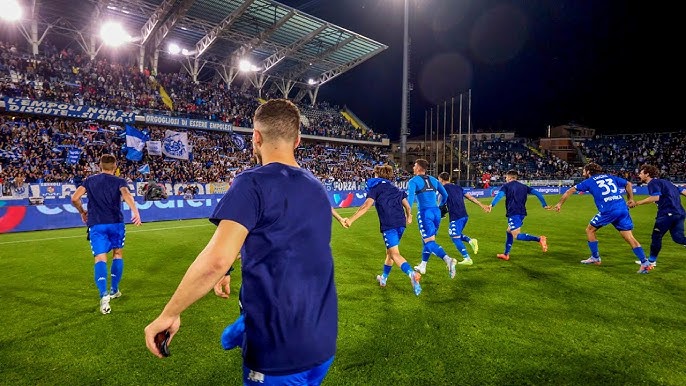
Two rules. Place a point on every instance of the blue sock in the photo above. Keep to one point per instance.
(638, 251)
(116, 272)
(465, 238)
(652, 259)
(436, 249)
(460, 247)
(387, 270)
(508, 243)
(527, 237)
(426, 253)
(100, 271)
(593, 246)
(405, 268)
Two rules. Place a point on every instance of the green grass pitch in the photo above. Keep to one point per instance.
(536, 319)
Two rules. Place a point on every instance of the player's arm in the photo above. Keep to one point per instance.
(210, 265)
(128, 199)
(76, 202)
(411, 191)
(497, 198)
(648, 200)
(540, 197)
(629, 191)
(442, 191)
(361, 210)
(408, 211)
(339, 218)
(683, 191)
(474, 200)
(564, 198)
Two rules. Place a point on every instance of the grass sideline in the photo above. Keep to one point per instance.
(536, 319)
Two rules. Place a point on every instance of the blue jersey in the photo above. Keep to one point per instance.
(605, 189)
(104, 198)
(389, 203)
(670, 197)
(425, 188)
(516, 195)
(455, 201)
(288, 292)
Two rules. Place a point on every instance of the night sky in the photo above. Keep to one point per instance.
(608, 65)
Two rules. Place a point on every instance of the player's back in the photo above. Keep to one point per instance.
(425, 190)
(456, 208)
(288, 290)
(104, 198)
(388, 201)
(516, 195)
(606, 191)
(670, 197)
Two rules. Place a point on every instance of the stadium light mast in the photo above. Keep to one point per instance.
(406, 96)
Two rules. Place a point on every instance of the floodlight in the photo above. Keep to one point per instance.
(245, 65)
(11, 10)
(186, 52)
(311, 81)
(113, 34)
(173, 48)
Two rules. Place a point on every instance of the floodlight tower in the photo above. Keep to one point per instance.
(405, 96)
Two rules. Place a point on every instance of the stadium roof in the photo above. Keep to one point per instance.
(280, 41)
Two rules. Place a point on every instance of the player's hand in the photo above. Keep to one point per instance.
(161, 324)
(136, 218)
(488, 209)
(223, 288)
(346, 223)
(632, 204)
(84, 217)
(409, 219)
(557, 207)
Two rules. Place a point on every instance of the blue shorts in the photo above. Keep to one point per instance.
(106, 237)
(620, 220)
(515, 222)
(428, 221)
(391, 237)
(311, 377)
(457, 226)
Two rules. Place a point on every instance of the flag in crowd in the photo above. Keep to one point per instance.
(73, 156)
(154, 147)
(145, 169)
(175, 145)
(135, 142)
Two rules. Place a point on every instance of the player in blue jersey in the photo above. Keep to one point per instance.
(394, 212)
(516, 195)
(670, 213)
(612, 209)
(105, 221)
(279, 216)
(425, 189)
(457, 214)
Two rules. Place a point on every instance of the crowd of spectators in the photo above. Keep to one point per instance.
(66, 75)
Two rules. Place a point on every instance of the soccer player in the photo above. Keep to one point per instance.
(670, 213)
(457, 214)
(424, 187)
(516, 195)
(105, 222)
(394, 212)
(280, 215)
(612, 209)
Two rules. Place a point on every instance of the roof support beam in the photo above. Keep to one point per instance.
(156, 17)
(333, 73)
(278, 56)
(259, 39)
(203, 44)
(322, 56)
(179, 11)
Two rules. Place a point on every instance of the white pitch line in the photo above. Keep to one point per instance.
(74, 237)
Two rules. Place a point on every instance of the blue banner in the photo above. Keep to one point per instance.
(189, 123)
(30, 106)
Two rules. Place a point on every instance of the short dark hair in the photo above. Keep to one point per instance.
(424, 164)
(444, 176)
(512, 173)
(593, 168)
(108, 162)
(279, 118)
(650, 170)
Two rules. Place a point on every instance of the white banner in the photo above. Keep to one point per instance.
(154, 147)
(175, 145)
